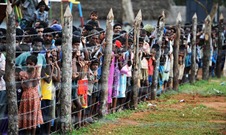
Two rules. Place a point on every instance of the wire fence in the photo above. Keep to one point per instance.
(85, 108)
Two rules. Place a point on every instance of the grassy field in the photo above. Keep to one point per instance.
(197, 109)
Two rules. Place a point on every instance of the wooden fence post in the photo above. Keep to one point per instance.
(160, 29)
(206, 48)
(220, 42)
(10, 72)
(106, 63)
(176, 53)
(193, 54)
(65, 97)
(136, 62)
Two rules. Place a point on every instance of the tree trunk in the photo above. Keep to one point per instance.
(160, 28)
(136, 66)
(206, 49)
(220, 42)
(193, 55)
(106, 63)
(10, 72)
(127, 11)
(176, 53)
(65, 97)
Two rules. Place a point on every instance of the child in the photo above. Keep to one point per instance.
(93, 17)
(40, 14)
(30, 114)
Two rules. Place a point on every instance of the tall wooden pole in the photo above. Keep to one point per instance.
(65, 97)
(176, 53)
(10, 72)
(127, 14)
(136, 62)
(206, 48)
(160, 28)
(193, 55)
(106, 63)
(220, 42)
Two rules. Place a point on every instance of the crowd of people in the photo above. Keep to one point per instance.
(38, 67)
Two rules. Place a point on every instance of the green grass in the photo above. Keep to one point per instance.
(190, 119)
(206, 88)
(186, 121)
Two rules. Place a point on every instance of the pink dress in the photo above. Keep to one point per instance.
(111, 78)
(29, 114)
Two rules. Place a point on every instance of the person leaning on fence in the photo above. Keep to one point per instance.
(29, 114)
(48, 95)
(92, 89)
(37, 46)
(77, 106)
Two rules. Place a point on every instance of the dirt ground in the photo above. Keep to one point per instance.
(218, 103)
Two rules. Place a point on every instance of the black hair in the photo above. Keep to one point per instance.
(93, 23)
(93, 12)
(32, 58)
(37, 39)
(19, 33)
(30, 31)
(24, 47)
(58, 42)
(88, 27)
(75, 39)
(117, 24)
(49, 30)
(100, 30)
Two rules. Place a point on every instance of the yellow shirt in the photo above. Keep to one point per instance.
(46, 89)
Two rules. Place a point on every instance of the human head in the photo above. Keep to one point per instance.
(37, 44)
(117, 28)
(93, 15)
(31, 61)
(94, 65)
(49, 35)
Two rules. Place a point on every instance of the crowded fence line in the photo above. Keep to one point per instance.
(86, 71)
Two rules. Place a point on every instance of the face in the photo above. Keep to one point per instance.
(117, 29)
(93, 16)
(94, 66)
(27, 39)
(42, 7)
(85, 32)
(102, 35)
(37, 46)
(75, 48)
(30, 65)
(40, 31)
(48, 38)
(94, 39)
(54, 56)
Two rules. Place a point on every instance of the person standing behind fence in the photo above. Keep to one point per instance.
(41, 13)
(47, 96)
(30, 115)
